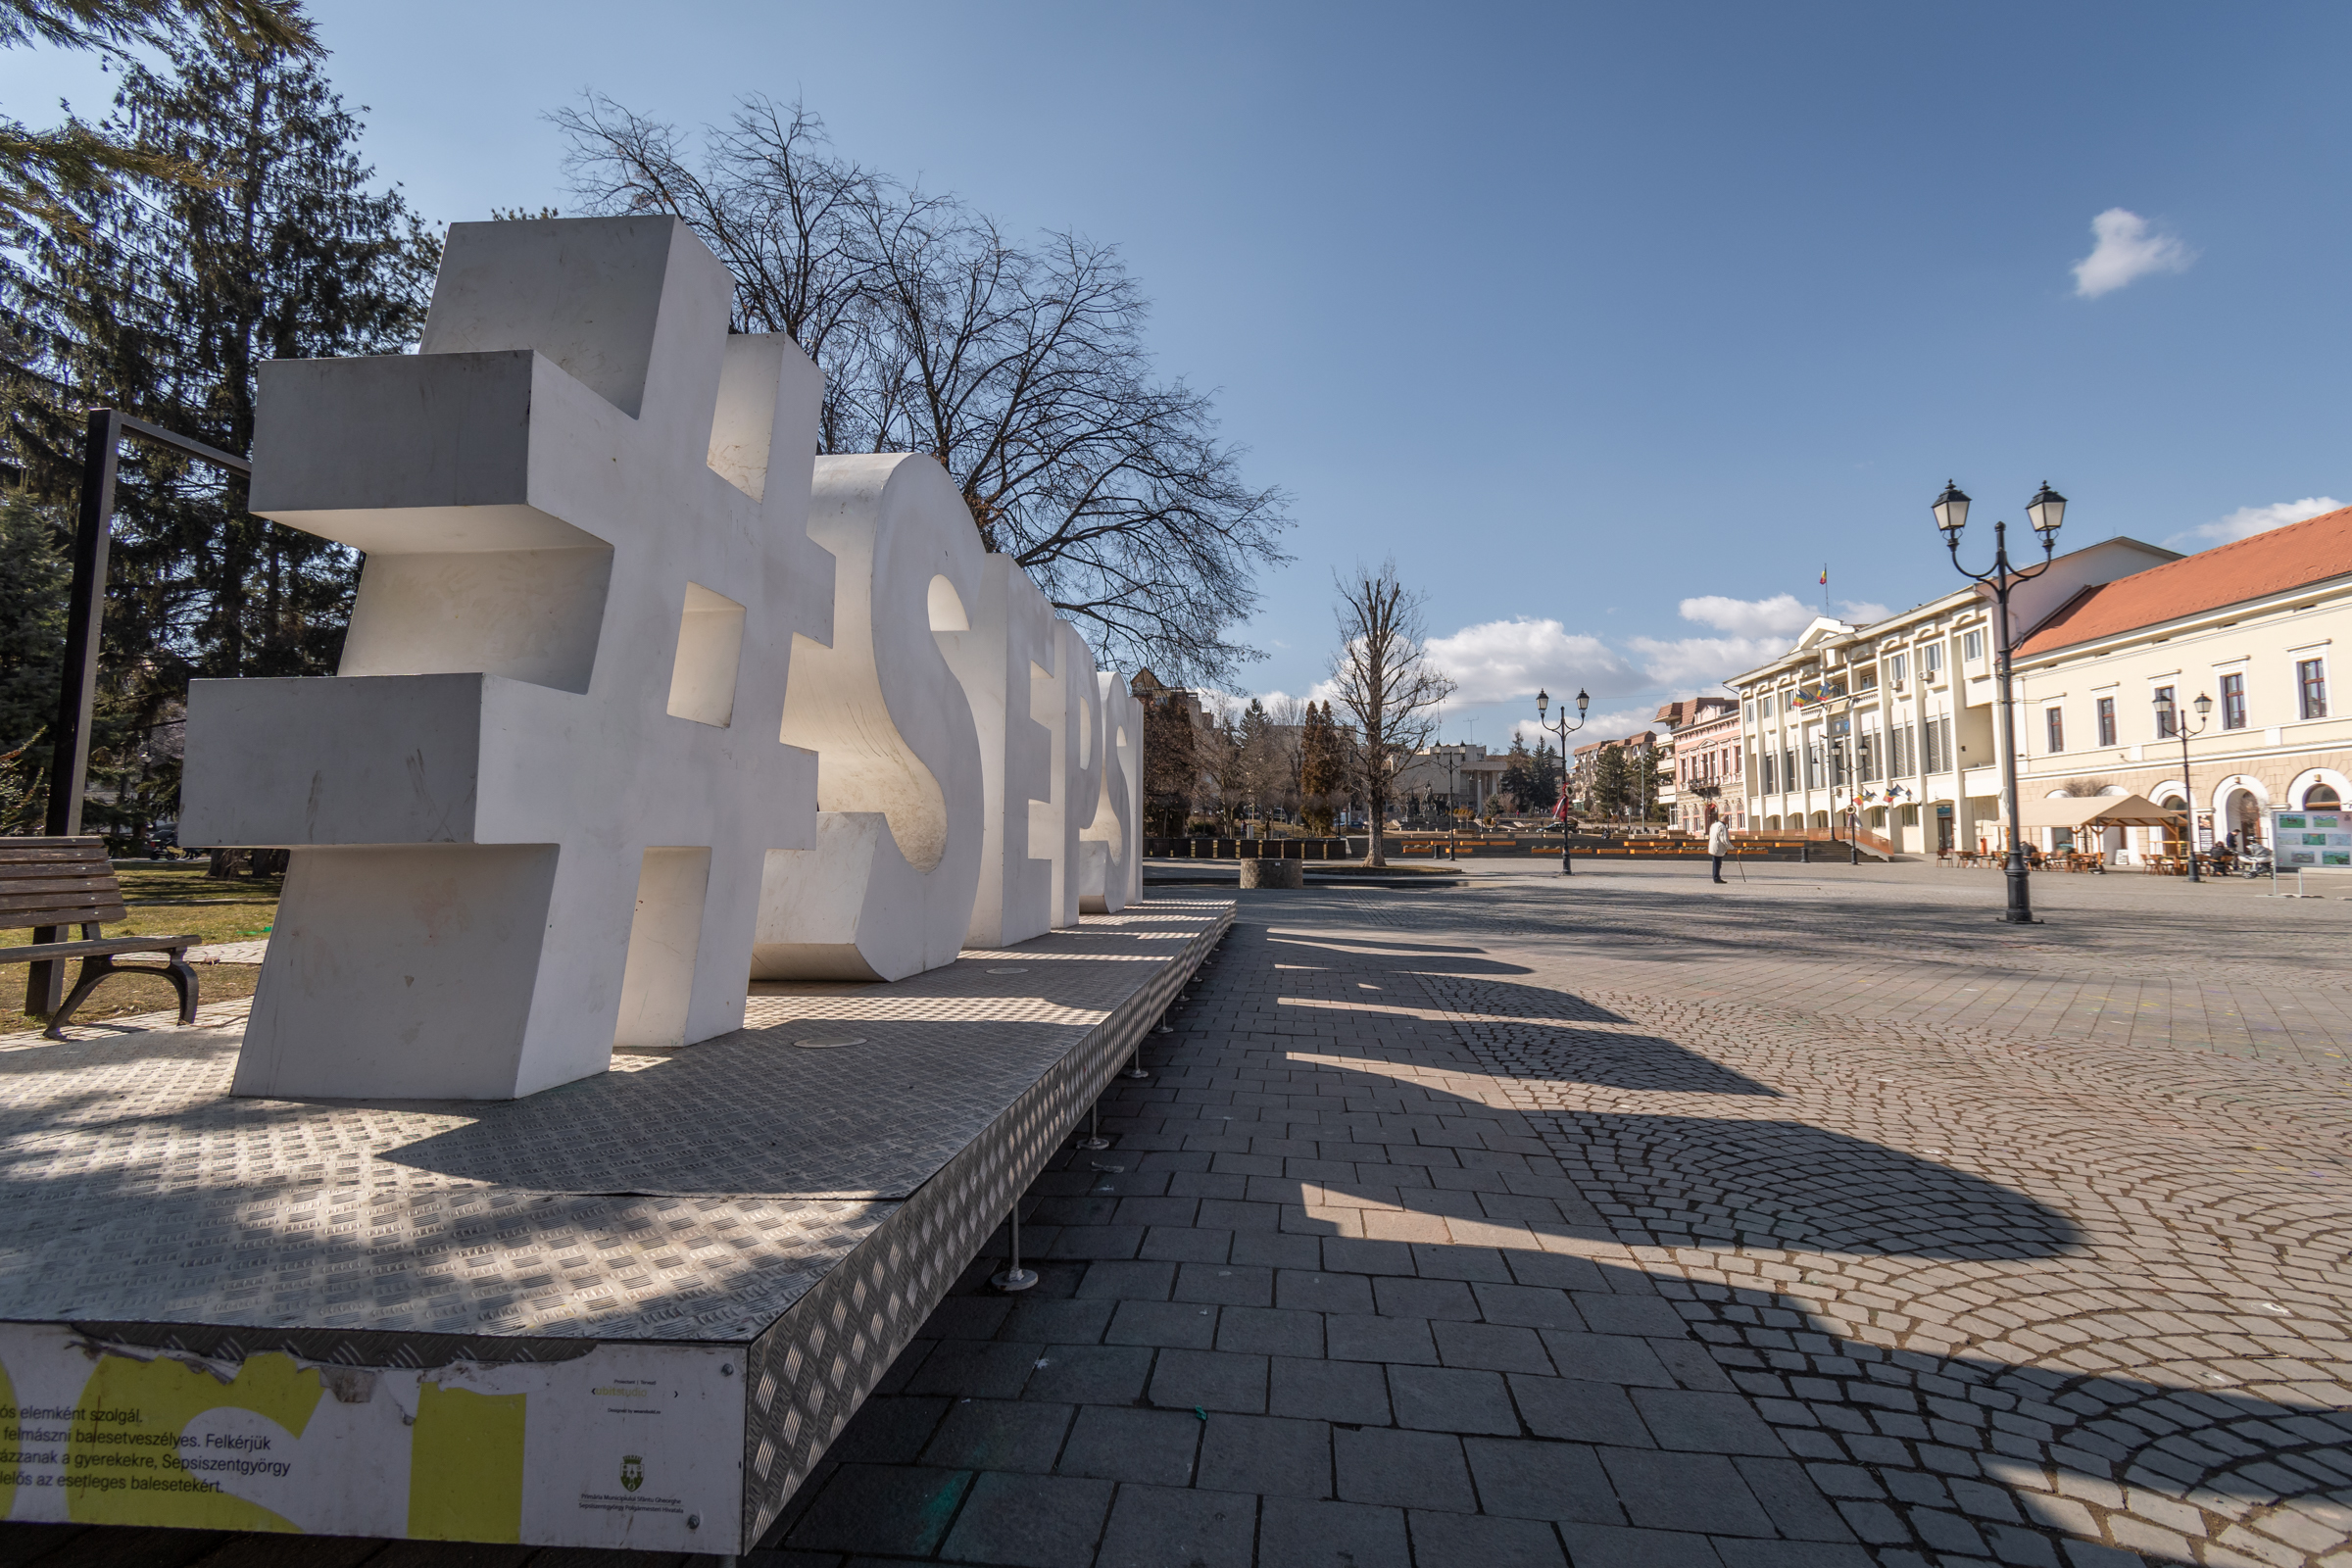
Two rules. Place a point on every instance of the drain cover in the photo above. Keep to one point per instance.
(828, 1042)
(1018, 968)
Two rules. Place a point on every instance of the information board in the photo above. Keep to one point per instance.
(628, 1446)
(2305, 840)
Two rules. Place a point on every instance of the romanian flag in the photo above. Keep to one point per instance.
(1825, 576)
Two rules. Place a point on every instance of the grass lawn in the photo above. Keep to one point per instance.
(164, 900)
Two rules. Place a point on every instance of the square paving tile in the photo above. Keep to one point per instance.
(1329, 1391)
(1683, 1492)
(1415, 1469)
(1447, 1400)
(998, 1435)
(1030, 1521)
(1579, 1411)
(1182, 1324)
(1115, 1443)
(895, 1509)
(1090, 1374)
(1707, 1423)
(1526, 1480)
(1209, 1380)
(1161, 1527)
(1494, 1347)
(1293, 1534)
(1266, 1454)
(1478, 1540)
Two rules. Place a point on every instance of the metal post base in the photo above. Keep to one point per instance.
(1136, 1069)
(2020, 906)
(1094, 1138)
(1015, 1277)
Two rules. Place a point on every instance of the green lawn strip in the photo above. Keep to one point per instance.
(176, 902)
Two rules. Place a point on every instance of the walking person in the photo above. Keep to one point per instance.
(1719, 844)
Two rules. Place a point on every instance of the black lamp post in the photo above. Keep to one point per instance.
(1563, 729)
(1453, 764)
(2169, 716)
(2045, 511)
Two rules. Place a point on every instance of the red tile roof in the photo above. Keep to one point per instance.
(2271, 563)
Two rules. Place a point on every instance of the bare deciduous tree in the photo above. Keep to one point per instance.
(1021, 369)
(1385, 681)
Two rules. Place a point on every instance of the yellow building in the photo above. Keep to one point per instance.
(2250, 626)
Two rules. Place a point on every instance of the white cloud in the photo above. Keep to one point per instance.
(1503, 661)
(2247, 521)
(1685, 661)
(2126, 250)
(1749, 617)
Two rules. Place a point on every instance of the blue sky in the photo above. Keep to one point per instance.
(1620, 319)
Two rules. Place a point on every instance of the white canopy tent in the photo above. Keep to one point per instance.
(2098, 811)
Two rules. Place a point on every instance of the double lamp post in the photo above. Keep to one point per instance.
(2045, 512)
(1563, 729)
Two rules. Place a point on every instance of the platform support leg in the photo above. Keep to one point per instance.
(1094, 1138)
(1016, 1276)
(1135, 1066)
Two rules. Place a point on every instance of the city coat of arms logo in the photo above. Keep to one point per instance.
(632, 1472)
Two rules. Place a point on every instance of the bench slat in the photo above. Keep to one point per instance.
(31, 887)
(92, 949)
(56, 865)
(41, 911)
(10, 857)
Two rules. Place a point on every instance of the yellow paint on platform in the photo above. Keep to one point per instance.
(466, 1466)
(128, 1471)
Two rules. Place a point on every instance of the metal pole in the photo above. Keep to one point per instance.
(2021, 905)
(77, 683)
(70, 761)
(1567, 866)
(2181, 722)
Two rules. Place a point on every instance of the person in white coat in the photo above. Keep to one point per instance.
(1719, 844)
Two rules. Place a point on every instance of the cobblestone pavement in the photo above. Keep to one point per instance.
(1815, 1220)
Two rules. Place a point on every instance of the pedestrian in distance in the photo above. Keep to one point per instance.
(1719, 844)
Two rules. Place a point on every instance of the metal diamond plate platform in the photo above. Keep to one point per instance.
(811, 1204)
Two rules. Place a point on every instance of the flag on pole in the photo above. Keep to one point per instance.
(1825, 576)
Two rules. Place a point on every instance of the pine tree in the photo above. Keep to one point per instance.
(1322, 768)
(163, 300)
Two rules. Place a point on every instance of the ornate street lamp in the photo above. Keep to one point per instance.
(1563, 729)
(2045, 512)
(2169, 718)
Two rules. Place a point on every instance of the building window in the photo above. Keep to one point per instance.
(2165, 712)
(2056, 719)
(1971, 646)
(1897, 668)
(1867, 680)
(1931, 660)
(1910, 817)
(2321, 796)
(2233, 702)
(1936, 761)
(2311, 687)
(1772, 784)
(1767, 708)
(2106, 712)
(1787, 768)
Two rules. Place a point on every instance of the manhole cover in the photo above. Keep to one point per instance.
(828, 1042)
(1018, 968)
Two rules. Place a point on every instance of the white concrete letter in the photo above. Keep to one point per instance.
(529, 816)
(888, 891)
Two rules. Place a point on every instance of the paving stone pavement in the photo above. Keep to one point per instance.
(1818, 1220)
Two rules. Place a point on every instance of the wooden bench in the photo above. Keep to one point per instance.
(63, 882)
